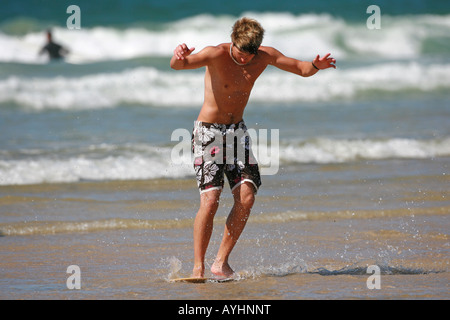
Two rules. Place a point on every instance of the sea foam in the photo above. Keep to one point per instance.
(141, 162)
(301, 36)
(159, 88)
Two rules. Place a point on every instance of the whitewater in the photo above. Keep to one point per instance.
(150, 86)
(140, 161)
(405, 36)
(109, 111)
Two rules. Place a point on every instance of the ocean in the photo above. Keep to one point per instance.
(356, 169)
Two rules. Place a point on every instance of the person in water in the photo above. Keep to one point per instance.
(231, 71)
(55, 51)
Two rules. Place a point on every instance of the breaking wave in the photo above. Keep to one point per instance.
(140, 161)
(400, 36)
(150, 86)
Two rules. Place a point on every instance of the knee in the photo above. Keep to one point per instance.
(209, 202)
(246, 200)
(211, 206)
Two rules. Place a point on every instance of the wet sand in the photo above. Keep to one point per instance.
(304, 239)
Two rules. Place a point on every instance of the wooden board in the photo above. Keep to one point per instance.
(201, 280)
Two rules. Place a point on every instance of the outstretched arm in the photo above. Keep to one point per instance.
(184, 59)
(302, 68)
(180, 54)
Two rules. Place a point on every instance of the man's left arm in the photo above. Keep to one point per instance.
(302, 68)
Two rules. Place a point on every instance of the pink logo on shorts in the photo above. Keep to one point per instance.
(215, 150)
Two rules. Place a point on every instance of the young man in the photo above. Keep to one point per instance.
(231, 71)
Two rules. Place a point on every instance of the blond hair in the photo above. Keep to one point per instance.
(247, 35)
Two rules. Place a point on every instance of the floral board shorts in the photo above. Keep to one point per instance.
(220, 150)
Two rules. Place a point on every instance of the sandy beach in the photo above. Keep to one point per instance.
(134, 247)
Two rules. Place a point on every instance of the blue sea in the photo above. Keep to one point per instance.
(87, 175)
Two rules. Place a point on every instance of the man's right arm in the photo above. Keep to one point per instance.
(183, 59)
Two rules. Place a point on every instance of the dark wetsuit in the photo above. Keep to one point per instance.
(54, 50)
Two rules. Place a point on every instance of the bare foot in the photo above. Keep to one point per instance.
(222, 270)
(198, 272)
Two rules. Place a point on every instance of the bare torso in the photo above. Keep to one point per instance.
(228, 86)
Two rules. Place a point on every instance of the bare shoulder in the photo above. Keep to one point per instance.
(203, 58)
(215, 51)
(269, 54)
(268, 50)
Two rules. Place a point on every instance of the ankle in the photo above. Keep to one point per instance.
(222, 269)
(218, 260)
(198, 270)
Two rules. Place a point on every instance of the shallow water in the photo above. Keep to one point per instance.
(133, 246)
(310, 260)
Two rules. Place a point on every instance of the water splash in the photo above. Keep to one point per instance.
(174, 267)
(300, 267)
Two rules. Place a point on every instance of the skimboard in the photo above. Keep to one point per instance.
(202, 280)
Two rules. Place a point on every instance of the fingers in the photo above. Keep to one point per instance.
(179, 51)
(182, 51)
(329, 61)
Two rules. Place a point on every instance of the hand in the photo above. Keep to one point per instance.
(182, 51)
(325, 62)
